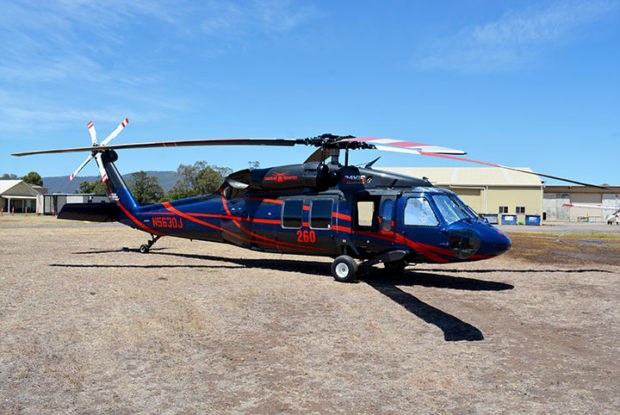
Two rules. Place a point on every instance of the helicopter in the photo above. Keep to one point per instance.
(359, 216)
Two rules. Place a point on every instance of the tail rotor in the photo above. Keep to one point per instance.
(98, 149)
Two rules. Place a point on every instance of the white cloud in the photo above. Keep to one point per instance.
(514, 38)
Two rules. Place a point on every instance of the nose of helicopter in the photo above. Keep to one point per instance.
(477, 240)
(494, 241)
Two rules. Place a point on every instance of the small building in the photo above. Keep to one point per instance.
(502, 196)
(555, 197)
(19, 195)
(52, 203)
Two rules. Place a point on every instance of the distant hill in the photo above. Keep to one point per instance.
(61, 184)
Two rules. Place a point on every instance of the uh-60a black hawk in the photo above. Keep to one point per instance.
(358, 216)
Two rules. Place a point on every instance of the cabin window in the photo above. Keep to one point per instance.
(418, 212)
(386, 215)
(365, 212)
(291, 213)
(321, 214)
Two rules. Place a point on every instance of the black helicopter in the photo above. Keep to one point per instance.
(359, 216)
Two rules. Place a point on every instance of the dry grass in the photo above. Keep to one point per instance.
(88, 327)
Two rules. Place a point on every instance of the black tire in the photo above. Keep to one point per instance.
(144, 249)
(344, 269)
(396, 267)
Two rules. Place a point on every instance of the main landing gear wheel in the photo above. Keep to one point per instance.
(344, 269)
(144, 249)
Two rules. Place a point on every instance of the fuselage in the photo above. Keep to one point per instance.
(358, 212)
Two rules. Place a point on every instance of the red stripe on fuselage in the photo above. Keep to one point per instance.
(280, 244)
(341, 216)
(210, 215)
(178, 212)
(424, 249)
(278, 202)
(137, 222)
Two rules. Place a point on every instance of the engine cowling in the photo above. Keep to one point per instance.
(311, 175)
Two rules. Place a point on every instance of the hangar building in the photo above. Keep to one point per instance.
(502, 196)
(556, 197)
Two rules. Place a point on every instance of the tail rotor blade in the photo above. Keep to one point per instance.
(104, 175)
(89, 158)
(115, 132)
(92, 132)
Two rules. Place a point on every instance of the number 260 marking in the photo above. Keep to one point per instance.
(306, 236)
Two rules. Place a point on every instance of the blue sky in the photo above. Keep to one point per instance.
(519, 83)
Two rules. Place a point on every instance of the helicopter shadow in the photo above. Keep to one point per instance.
(453, 328)
(383, 282)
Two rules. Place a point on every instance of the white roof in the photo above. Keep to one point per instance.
(470, 176)
(7, 184)
(16, 188)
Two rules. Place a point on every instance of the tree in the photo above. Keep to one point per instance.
(196, 179)
(145, 189)
(97, 187)
(186, 182)
(254, 164)
(210, 179)
(8, 176)
(33, 178)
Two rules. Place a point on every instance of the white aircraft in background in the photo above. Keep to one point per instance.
(613, 217)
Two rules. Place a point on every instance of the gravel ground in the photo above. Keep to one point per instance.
(193, 327)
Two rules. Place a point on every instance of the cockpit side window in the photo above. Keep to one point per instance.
(418, 212)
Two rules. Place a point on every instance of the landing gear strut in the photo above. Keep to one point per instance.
(144, 248)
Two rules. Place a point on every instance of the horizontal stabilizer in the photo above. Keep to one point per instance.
(93, 212)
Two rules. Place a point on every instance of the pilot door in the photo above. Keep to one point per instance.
(421, 224)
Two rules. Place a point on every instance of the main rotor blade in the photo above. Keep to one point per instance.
(89, 158)
(114, 133)
(389, 144)
(286, 142)
(511, 168)
(585, 205)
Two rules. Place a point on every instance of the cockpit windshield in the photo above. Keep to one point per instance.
(452, 209)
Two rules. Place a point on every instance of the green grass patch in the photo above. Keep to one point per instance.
(597, 236)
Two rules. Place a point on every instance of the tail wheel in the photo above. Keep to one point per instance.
(344, 269)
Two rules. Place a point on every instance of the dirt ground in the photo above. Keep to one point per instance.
(87, 326)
